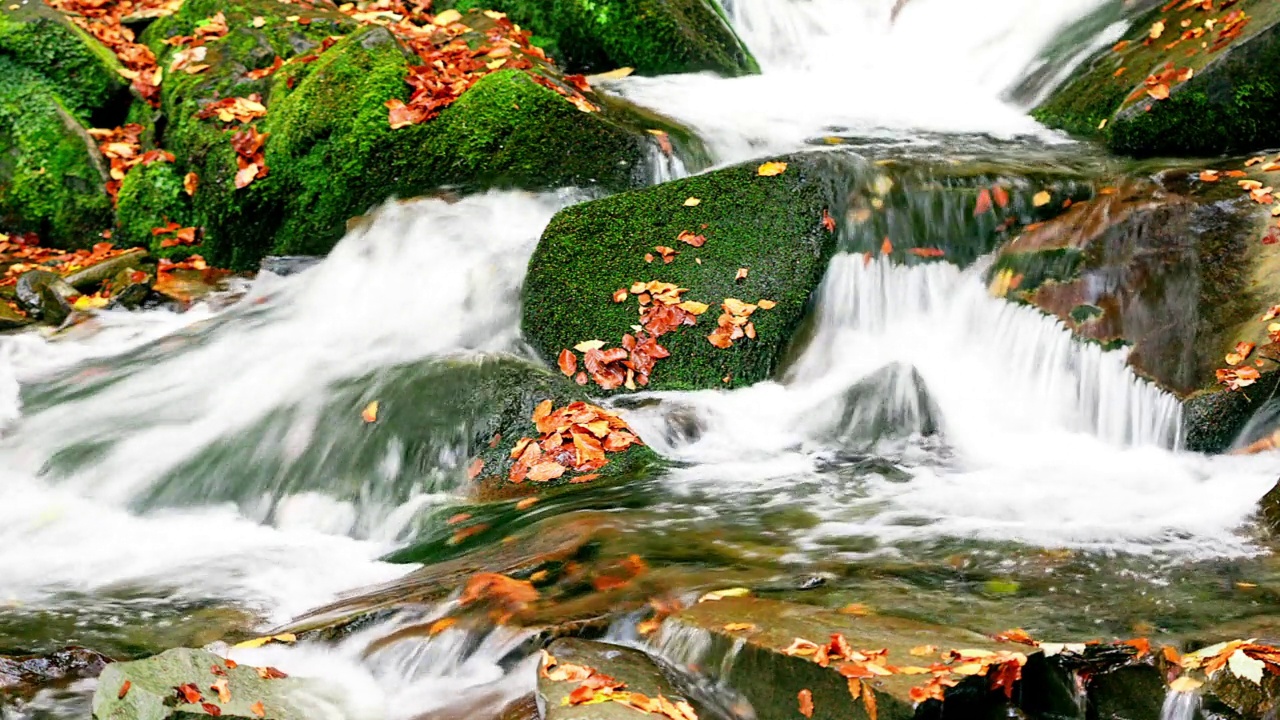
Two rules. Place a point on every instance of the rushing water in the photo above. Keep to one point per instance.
(930, 441)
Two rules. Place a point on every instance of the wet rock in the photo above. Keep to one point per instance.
(44, 295)
(128, 291)
(23, 675)
(772, 226)
(1224, 106)
(153, 682)
(52, 177)
(1269, 509)
(10, 318)
(285, 265)
(655, 37)
(891, 403)
(637, 670)
(1241, 697)
(752, 661)
(91, 277)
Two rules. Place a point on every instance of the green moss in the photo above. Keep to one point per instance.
(81, 68)
(770, 225)
(1227, 106)
(151, 196)
(52, 181)
(655, 37)
(338, 156)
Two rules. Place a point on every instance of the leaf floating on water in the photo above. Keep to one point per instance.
(740, 627)
(805, 698)
(370, 412)
(722, 594)
(771, 169)
(1041, 198)
(1209, 176)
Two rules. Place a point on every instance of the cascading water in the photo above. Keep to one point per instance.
(921, 409)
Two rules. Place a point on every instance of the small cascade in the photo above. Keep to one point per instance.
(1180, 706)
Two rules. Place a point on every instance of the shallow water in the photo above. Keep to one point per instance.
(934, 451)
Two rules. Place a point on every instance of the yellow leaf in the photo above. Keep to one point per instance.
(89, 302)
(1041, 198)
(1243, 666)
(727, 593)
(259, 21)
(694, 307)
(586, 345)
(1185, 684)
(740, 627)
(448, 17)
(766, 304)
(259, 642)
(1102, 124)
(370, 412)
(770, 169)
(691, 201)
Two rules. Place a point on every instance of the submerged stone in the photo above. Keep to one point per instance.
(741, 643)
(148, 690)
(765, 239)
(655, 37)
(1220, 83)
(24, 675)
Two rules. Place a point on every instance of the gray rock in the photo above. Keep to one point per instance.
(88, 278)
(24, 675)
(44, 295)
(285, 265)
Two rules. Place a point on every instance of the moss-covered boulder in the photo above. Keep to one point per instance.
(756, 647)
(1188, 79)
(337, 155)
(655, 37)
(52, 178)
(82, 69)
(149, 690)
(771, 227)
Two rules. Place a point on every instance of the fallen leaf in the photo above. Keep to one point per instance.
(586, 345)
(1041, 198)
(741, 275)
(770, 169)
(1185, 684)
(124, 690)
(224, 692)
(828, 222)
(692, 201)
(766, 304)
(886, 247)
(740, 627)
(568, 363)
(1209, 176)
(441, 625)
(190, 693)
(1243, 666)
(190, 182)
(806, 702)
(869, 700)
(526, 503)
(923, 650)
(474, 468)
(370, 412)
(258, 709)
(211, 709)
(984, 203)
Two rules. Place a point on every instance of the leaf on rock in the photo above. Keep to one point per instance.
(258, 709)
(1243, 666)
(771, 169)
(1041, 198)
(806, 702)
(124, 689)
(568, 363)
(370, 412)
(692, 201)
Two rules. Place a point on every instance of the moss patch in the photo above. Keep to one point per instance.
(81, 68)
(150, 196)
(1227, 105)
(52, 180)
(770, 225)
(656, 37)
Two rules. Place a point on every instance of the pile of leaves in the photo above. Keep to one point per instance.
(574, 438)
(1245, 659)
(596, 687)
(22, 253)
(102, 19)
(122, 147)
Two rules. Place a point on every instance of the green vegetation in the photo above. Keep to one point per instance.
(772, 226)
(82, 69)
(151, 196)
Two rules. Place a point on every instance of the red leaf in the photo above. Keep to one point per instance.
(568, 363)
(984, 203)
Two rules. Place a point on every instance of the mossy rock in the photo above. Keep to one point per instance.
(82, 69)
(203, 146)
(151, 692)
(773, 226)
(337, 156)
(655, 37)
(52, 178)
(1227, 106)
(628, 665)
(434, 418)
(151, 196)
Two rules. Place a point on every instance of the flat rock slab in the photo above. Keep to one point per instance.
(636, 669)
(741, 641)
(152, 692)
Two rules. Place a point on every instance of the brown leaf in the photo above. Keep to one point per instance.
(212, 709)
(568, 362)
(258, 709)
(806, 702)
(544, 471)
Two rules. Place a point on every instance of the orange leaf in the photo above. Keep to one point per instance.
(124, 690)
(258, 709)
(828, 222)
(370, 412)
(441, 625)
(190, 182)
(927, 252)
(886, 247)
(869, 701)
(984, 203)
(190, 693)
(1001, 196)
(568, 362)
(474, 468)
(224, 692)
(544, 471)
(806, 702)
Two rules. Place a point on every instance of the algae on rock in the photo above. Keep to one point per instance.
(655, 37)
(771, 226)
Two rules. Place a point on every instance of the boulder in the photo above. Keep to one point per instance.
(741, 642)
(655, 37)
(151, 196)
(640, 673)
(11, 318)
(452, 422)
(330, 151)
(84, 71)
(149, 690)
(45, 296)
(759, 238)
(1177, 86)
(24, 675)
(52, 177)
